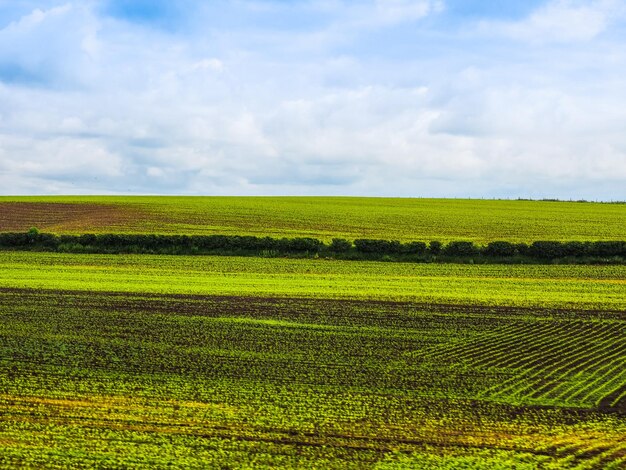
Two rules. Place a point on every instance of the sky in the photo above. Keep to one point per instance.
(422, 98)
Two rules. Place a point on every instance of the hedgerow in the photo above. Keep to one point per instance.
(376, 249)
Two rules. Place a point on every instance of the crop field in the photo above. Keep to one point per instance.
(153, 361)
(553, 286)
(324, 218)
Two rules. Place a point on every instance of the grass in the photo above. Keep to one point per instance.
(480, 221)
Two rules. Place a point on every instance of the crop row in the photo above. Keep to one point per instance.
(115, 380)
(518, 356)
(562, 362)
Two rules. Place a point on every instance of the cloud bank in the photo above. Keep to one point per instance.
(381, 98)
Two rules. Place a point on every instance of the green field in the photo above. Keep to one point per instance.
(594, 287)
(157, 361)
(145, 361)
(480, 221)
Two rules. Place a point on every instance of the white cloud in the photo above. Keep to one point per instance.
(386, 13)
(60, 157)
(560, 21)
(49, 48)
(208, 64)
(260, 111)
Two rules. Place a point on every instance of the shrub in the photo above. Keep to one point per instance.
(47, 240)
(500, 248)
(87, 239)
(13, 240)
(460, 249)
(300, 244)
(546, 249)
(70, 247)
(340, 245)
(106, 240)
(575, 249)
(608, 248)
(435, 247)
(522, 248)
(414, 248)
(365, 245)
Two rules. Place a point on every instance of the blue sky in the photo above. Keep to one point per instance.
(445, 98)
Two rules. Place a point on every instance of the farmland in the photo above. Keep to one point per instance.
(118, 361)
(591, 287)
(480, 221)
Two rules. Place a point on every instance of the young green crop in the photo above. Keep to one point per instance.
(599, 287)
(146, 361)
(324, 218)
(115, 380)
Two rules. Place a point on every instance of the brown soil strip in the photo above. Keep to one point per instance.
(65, 217)
(194, 304)
(606, 404)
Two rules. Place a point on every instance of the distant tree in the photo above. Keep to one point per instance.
(32, 234)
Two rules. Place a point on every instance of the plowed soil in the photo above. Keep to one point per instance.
(66, 217)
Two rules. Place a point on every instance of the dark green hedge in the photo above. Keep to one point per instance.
(360, 248)
(147, 243)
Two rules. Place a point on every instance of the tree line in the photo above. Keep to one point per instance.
(304, 246)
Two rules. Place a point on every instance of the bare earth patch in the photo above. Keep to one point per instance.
(66, 217)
